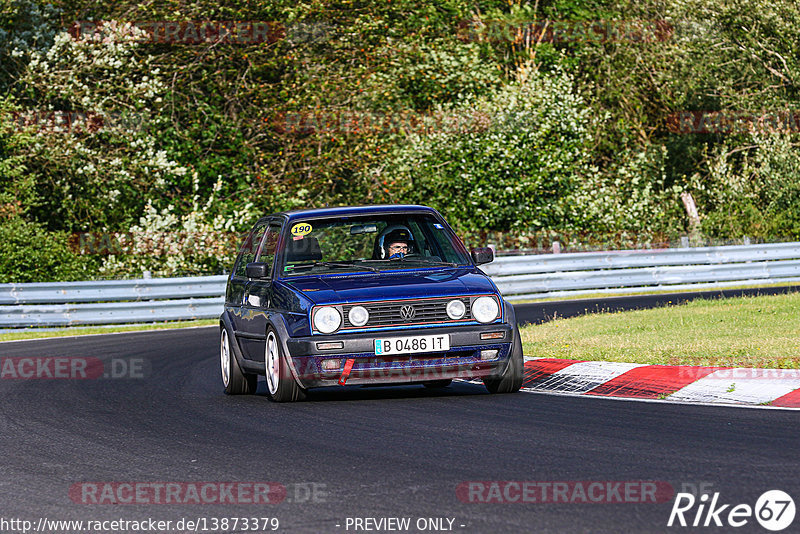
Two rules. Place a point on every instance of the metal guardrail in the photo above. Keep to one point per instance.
(628, 271)
(112, 290)
(111, 302)
(110, 312)
(517, 277)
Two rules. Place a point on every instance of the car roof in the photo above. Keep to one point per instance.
(344, 211)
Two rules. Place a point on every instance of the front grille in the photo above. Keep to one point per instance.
(426, 311)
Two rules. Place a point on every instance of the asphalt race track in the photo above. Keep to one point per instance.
(364, 452)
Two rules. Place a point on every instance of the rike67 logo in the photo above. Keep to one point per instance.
(774, 510)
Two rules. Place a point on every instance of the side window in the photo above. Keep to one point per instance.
(440, 243)
(248, 251)
(267, 254)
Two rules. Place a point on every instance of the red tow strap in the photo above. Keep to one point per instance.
(348, 365)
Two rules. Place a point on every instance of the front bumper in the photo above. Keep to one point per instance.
(463, 360)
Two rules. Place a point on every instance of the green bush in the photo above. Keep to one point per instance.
(515, 164)
(29, 253)
(753, 192)
(566, 139)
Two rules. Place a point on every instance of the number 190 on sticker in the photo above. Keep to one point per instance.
(412, 344)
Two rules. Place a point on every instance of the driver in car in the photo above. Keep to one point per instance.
(398, 249)
(396, 243)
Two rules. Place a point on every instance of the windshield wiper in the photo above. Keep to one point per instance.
(445, 263)
(346, 265)
(420, 259)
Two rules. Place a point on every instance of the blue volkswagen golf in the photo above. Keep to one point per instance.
(363, 295)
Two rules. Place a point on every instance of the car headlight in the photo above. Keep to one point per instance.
(485, 309)
(456, 309)
(358, 316)
(327, 319)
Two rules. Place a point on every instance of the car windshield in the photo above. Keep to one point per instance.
(370, 243)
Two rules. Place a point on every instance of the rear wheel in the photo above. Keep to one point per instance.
(511, 380)
(437, 384)
(234, 380)
(280, 383)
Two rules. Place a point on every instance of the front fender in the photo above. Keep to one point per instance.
(278, 323)
(275, 320)
(511, 319)
(226, 323)
(510, 313)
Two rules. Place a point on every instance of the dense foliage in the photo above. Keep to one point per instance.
(558, 118)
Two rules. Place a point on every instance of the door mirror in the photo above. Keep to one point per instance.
(482, 255)
(257, 269)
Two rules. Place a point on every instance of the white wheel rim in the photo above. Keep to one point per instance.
(272, 364)
(224, 358)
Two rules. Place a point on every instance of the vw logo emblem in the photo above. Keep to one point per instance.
(407, 312)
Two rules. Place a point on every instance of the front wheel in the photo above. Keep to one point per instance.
(511, 380)
(280, 383)
(235, 381)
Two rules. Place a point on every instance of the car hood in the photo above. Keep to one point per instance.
(333, 289)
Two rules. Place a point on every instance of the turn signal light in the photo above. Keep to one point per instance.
(330, 345)
(493, 335)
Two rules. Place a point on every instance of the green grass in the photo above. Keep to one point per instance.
(652, 292)
(743, 332)
(33, 333)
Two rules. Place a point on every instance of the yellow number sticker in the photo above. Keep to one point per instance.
(301, 229)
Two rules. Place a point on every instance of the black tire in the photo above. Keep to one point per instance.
(511, 379)
(438, 384)
(234, 380)
(281, 385)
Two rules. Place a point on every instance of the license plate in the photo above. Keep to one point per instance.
(412, 344)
